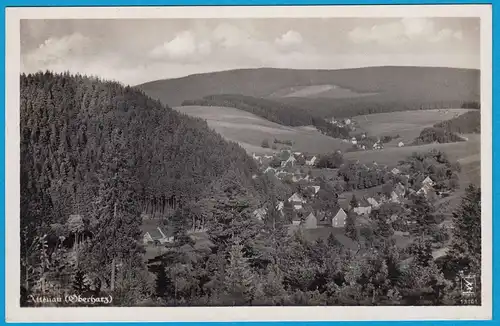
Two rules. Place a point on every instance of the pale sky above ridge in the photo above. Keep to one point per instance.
(134, 51)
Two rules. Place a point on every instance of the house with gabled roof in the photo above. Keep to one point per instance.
(395, 197)
(289, 162)
(314, 189)
(296, 198)
(311, 161)
(157, 236)
(364, 207)
(260, 213)
(310, 222)
(428, 182)
(373, 202)
(336, 220)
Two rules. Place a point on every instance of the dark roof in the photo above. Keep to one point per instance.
(336, 210)
(362, 202)
(152, 226)
(155, 234)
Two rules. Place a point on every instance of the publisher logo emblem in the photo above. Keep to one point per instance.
(468, 284)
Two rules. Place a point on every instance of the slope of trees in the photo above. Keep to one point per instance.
(467, 123)
(437, 135)
(108, 153)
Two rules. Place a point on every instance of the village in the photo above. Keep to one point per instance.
(305, 210)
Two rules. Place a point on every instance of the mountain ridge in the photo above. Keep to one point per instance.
(399, 85)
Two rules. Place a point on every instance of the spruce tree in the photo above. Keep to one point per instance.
(162, 284)
(354, 202)
(239, 280)
(465, 248)
(350, 227)
(79, 282)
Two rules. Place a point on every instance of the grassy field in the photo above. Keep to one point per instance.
(408, 124)
(249, 130)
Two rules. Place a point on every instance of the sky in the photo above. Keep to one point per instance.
(141, 50)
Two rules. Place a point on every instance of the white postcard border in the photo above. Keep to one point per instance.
(204, 314)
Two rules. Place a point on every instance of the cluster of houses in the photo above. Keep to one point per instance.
(304, 218)
(342, 122)
(289, 166)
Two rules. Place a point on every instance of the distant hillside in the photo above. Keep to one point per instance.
(329, 91)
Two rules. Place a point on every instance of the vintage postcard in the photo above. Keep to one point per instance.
(249, 163)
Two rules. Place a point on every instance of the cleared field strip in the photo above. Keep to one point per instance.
(250, 130)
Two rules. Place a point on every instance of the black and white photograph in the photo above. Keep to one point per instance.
(238, 160)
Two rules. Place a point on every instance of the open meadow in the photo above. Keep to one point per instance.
(250, 130)
(408, 124)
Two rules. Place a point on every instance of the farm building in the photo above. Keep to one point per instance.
(157, 236)
(401, 144)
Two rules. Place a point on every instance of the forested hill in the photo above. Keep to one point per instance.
(383, 86)
(77, 132)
